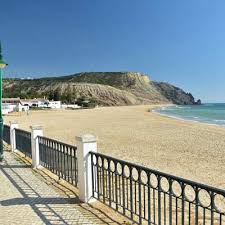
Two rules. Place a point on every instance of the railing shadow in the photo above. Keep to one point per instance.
(16, 166)
(33, 201)
(96, 212)
(48, 208)
(26, 191)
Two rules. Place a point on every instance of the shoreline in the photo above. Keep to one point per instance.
(184, 120)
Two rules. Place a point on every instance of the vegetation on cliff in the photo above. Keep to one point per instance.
(100, 88)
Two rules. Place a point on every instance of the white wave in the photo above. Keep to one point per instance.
(194, 119)
(219, 121)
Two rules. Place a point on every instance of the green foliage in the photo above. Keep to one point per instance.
(51, 95)
(54, 95)
(87, 102)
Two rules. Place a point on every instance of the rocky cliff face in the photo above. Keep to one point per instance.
(175, 94)
(105, 88)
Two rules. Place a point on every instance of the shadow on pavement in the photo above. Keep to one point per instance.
(49, 209)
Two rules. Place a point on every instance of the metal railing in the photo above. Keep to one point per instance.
(59, 158)
(23, 142)
(151, 197)
(6, 134)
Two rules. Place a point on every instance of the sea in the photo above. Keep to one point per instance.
(211, 113)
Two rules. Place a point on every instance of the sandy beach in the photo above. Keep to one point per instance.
(189, 149)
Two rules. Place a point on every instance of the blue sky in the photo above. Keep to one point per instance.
(181, 42)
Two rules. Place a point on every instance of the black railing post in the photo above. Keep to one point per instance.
(139, 195)
(183, 203)
(159, 200)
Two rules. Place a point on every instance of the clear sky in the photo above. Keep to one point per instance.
(178, 41)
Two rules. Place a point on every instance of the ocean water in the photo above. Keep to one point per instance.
(211, 113)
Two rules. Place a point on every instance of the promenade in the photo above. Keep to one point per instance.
(29, 197)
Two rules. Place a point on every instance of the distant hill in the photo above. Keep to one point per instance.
(102, 88)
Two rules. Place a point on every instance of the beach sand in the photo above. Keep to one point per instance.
(188, 149)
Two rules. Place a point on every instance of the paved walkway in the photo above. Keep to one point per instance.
(26, 199)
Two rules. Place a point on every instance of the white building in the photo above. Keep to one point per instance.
(7, 108)
(19, 105)
(26, 102)
(54, 104)
(13, 104)
(41, 103)
(38, 103)
(70, 106)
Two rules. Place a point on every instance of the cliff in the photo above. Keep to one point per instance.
(103, 88)
(175, 94)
